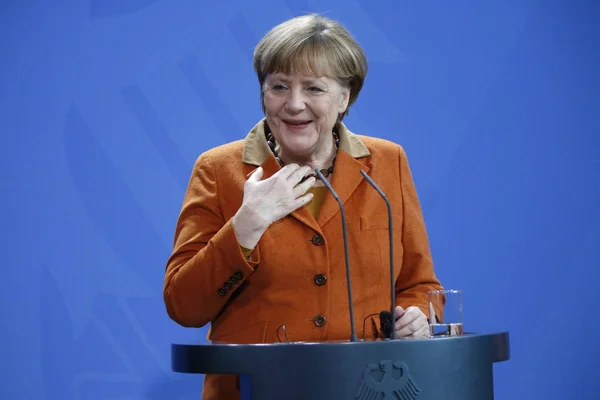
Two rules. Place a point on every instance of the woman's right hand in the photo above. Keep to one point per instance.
(267, 201)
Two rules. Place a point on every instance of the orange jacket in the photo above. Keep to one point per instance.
(296, 275)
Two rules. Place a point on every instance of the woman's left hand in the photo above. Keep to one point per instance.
(411, 323)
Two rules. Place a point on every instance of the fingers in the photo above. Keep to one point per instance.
(421, 333)
(298, 173)
(412, 323)
(301, 188)
(256, 175)
(406, 322)
(293, 173)
(398, 312)
(287, 170)
(302, 200)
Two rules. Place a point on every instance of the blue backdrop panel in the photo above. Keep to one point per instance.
(106, 104)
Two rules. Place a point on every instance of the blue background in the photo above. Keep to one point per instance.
(105, 105)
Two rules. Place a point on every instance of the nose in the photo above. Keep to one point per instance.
(295, 101)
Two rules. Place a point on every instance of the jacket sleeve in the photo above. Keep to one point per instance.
(417, 276)
(207, 264)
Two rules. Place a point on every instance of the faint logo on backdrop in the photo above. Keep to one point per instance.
(116, 356)
(387, 380)
(100, 337)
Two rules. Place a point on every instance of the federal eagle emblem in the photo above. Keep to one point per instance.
(387, 380)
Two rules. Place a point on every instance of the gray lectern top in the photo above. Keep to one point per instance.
(448, 368)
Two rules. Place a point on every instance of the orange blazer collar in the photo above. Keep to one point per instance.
(256, 150)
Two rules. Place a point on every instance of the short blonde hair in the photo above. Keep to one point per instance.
(312, 44)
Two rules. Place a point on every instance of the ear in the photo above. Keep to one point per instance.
(345, 100)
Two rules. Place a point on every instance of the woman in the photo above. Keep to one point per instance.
(258, 248)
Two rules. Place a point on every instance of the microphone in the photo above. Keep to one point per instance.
(386, 318)
(353, 337)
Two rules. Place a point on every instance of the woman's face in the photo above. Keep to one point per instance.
(302, 110)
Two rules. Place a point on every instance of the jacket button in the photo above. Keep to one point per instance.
(320, 320)
(318, 240)
(320, 279)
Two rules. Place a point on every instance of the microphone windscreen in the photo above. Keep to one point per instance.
(386, 322)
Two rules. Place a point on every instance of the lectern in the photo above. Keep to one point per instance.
(438, 368)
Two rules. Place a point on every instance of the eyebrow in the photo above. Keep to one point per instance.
(304, 81)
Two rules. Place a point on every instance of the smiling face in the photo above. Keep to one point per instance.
(301, 111)
(310, 70)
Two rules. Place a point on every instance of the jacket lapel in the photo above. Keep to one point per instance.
(344, 181)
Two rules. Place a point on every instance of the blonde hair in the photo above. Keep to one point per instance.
(312, 44)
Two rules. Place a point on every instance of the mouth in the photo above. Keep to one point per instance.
(296, 124)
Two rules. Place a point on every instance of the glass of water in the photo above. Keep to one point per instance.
(445, 313)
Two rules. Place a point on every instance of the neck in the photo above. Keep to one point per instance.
(321, 158)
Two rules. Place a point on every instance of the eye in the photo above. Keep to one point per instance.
(279, 87)
(314, 89)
